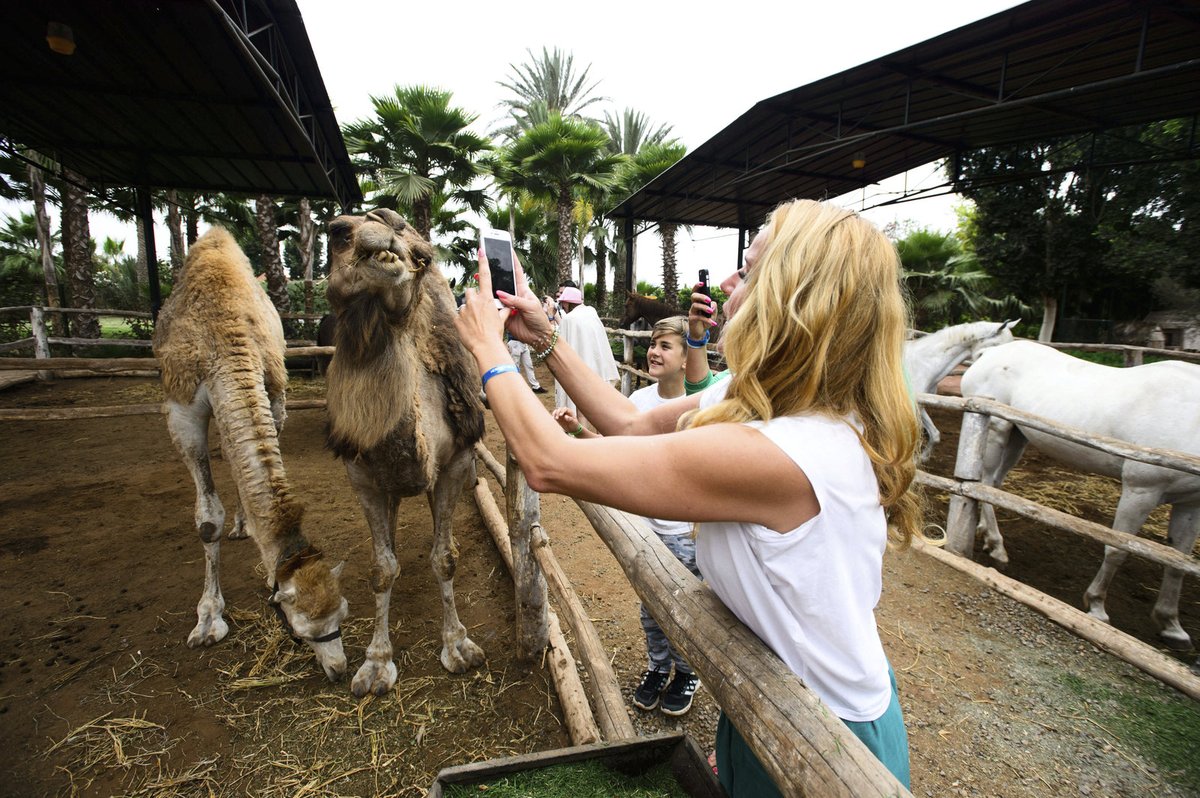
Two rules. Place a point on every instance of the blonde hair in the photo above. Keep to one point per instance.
(671, 325)
(821, 329)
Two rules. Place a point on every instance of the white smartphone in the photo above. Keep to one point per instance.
(498, 249)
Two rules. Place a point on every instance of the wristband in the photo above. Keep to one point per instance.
(494, 370)
(538, 357)
(697, 344)
(577, 432)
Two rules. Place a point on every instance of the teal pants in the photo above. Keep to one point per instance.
(743, 776)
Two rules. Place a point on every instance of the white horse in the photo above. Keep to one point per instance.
(931, 357)
(1155, 405)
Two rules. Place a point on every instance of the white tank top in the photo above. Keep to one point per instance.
(810, 594)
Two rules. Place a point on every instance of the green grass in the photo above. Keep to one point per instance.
(1162, 727)
(589, 779)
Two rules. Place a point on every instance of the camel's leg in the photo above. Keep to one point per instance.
(1004, 447)
(188, 425)
(378, 672)
(459, 652)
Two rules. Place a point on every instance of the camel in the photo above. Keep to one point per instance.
(220, 347)
(931, 357)
(646, 308)
(1155, 405)
(404, 411)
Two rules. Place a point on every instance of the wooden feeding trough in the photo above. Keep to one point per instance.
(628, 757)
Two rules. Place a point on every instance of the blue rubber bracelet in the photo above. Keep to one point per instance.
(494, 370)
(700, 344)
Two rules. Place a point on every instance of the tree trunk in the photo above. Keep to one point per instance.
(1049, 317)
(272, 264)
(564, 235)
(175, 228)
(192, 221)
(77, 252)
(308, 236)
(422, 214)
(143, 262)
(666, 231)
(37, 187)
(601, 278)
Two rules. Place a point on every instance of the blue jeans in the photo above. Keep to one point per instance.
(659, 650)
(743, 776)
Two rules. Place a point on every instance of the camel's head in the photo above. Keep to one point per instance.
(377, 263)
(309, 596)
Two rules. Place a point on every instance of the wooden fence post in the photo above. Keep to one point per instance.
(522, 513)
(1133, 356)
(41, 339)
(627, 359)
(963, 514)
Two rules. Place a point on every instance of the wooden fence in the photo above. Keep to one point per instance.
(966, 491)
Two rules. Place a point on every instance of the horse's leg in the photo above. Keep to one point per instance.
(932, 436)
(188, 426)
(1181, 535)
(378, 672)
(1004, 447)
(1134, 507)
(459, 652)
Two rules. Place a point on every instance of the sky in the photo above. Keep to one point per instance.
(694, 68)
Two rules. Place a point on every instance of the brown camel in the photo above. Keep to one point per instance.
(220, 346)
(404, 410)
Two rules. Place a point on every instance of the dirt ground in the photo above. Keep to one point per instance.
(100, 570)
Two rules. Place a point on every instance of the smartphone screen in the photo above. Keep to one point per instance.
(500, 262)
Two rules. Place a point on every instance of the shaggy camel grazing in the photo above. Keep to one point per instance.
(404, 411)
(220, 346)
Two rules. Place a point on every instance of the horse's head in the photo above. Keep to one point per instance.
(631, 314)
(994, 335)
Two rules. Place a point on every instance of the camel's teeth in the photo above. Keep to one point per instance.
(387, 256)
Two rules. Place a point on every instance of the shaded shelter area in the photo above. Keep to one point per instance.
(1037, 71)
(196, 95)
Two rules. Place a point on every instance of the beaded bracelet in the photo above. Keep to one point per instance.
(578, 431)
(697, 344)
(504, 368)
(538, 357)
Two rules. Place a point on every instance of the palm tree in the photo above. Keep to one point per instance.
(544, 86)
(37, 190)
(552, 159)
(271, 263)
(633, 130)
(417, 145)
(77, 252)
(650, 162)
(21, 278)
(947, 285)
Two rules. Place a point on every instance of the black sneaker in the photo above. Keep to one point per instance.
(647, 693)
(677, 700)
(539, 389)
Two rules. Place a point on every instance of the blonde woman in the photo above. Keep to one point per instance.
(815, 432)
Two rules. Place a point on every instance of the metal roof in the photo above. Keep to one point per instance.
(1040, 70)
(202, 95)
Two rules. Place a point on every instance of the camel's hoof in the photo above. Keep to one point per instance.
(374, 677)
(206, 634)
(462, 656)
(238, 530)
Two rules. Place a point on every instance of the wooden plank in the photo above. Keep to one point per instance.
(1166, 458)
(805, 748)
(1142, 547)
(1116, 642)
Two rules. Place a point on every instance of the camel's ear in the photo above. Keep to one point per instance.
(337, 570)
(284, 596)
